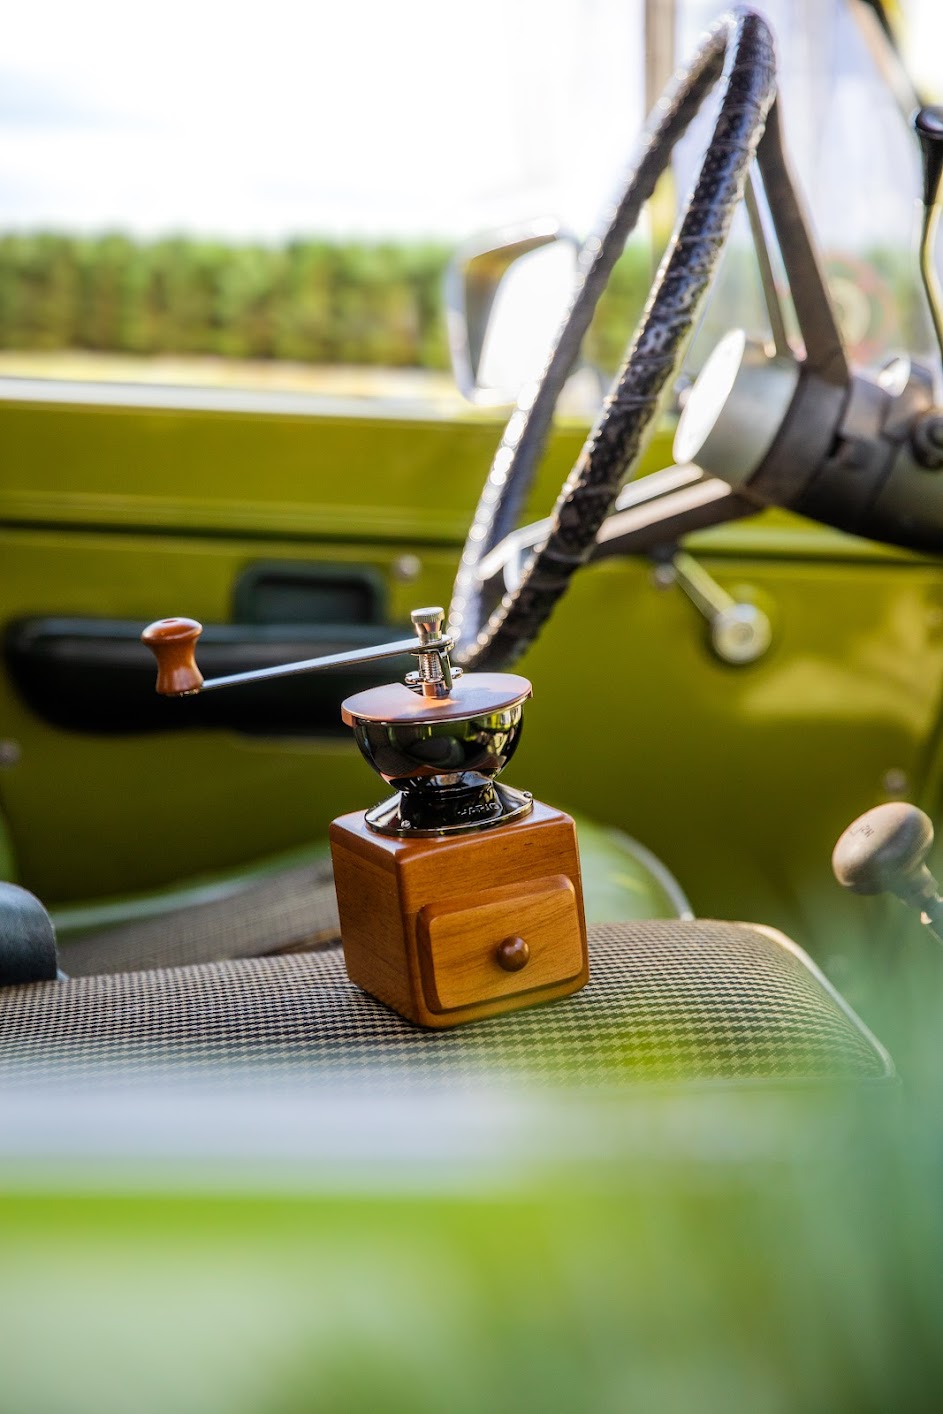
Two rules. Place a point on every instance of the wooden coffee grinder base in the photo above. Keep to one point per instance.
(447, 930)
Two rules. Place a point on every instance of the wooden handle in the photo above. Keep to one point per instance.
(173, 643)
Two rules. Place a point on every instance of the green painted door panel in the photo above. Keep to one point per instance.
(99, 815)
(739, 779)
(115, 510)
(366, 474)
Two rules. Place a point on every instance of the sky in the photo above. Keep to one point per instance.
(425, 117)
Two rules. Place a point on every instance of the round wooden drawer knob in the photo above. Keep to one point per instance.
(172, 641)
(513, 954)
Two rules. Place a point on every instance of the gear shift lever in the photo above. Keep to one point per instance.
(928, 125)
(884, 851)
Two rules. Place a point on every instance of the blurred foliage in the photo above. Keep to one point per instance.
(310, 300)
(325, 302)
(620, 308)
(808, 1284)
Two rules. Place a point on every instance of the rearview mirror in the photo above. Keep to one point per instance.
(506, 295)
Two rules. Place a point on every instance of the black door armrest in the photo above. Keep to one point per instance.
(95, 675)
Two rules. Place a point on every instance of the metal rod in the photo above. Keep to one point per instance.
(310, 665)
(931, 284)
(932, 917)
(707, 596)
(646, 528)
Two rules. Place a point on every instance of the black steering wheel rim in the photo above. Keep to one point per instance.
(736, 52)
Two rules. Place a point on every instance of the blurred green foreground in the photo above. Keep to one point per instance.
(807, 1276)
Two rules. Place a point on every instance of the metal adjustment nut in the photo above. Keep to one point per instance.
(435, 669)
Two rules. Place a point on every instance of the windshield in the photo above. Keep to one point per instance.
(858, 169)
(291, 195)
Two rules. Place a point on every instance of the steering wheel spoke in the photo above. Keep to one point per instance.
(656, 510)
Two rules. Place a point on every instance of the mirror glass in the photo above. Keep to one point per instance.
(528, 308)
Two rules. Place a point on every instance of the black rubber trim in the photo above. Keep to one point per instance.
(95, 675)
(737, 52)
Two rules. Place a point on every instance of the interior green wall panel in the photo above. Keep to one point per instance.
(740, 779)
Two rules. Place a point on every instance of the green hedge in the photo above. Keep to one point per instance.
(317, 301)
(312, 301)
(309, 300)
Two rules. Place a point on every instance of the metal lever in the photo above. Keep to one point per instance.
(173, 643)
(740, 632)
(928, 125)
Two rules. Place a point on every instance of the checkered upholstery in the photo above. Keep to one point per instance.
(667, 1000)
(291, 908)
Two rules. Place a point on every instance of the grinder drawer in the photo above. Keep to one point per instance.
(534, 925)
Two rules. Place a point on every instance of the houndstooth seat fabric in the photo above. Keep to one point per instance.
(666, 1000)
(291, 909)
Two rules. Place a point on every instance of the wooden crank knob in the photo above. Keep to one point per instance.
(173, 643)
(513, 954)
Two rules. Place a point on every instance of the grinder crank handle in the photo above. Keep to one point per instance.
(173, 643)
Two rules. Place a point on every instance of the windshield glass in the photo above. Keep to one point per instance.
(227, 195)
(858, 170)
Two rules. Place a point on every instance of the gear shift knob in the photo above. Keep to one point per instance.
(885, 850)
(928, 125)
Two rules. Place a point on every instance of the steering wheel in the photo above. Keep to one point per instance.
(737, 53)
